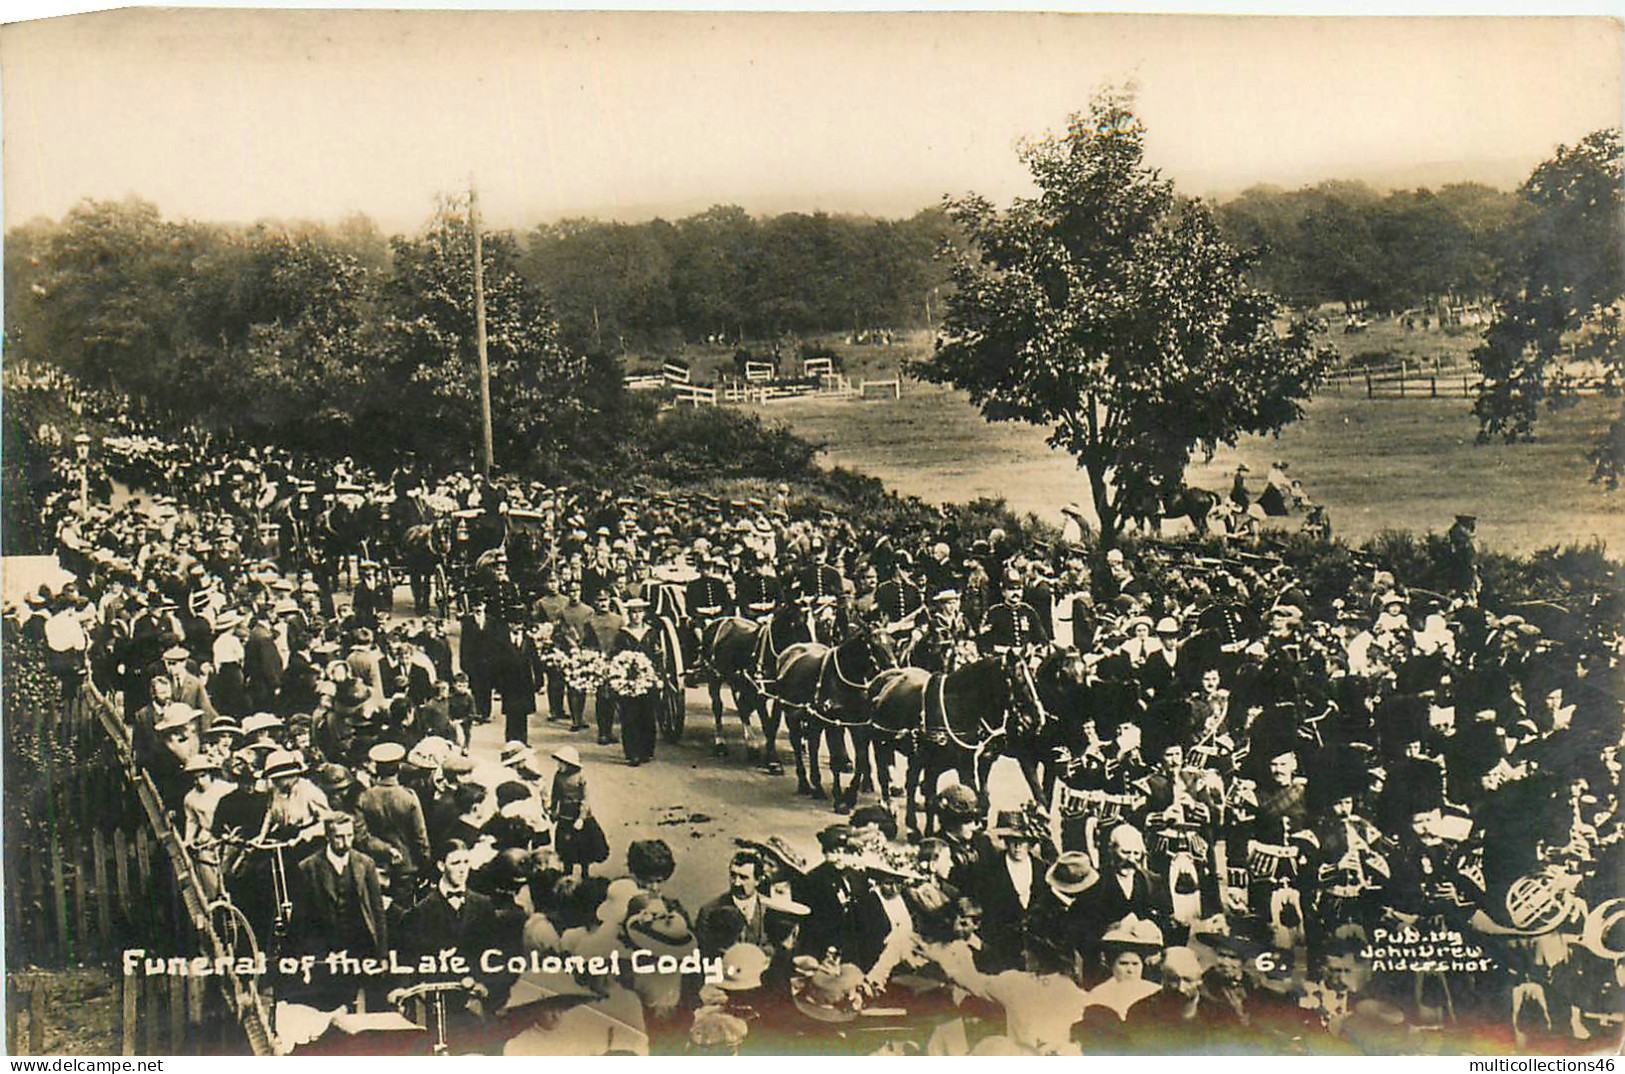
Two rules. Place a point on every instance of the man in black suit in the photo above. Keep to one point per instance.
(342, 909)
(475, 651)
(451, 915)
(745, 897)
(437, 648)
(263, 666)
(1124, 889)
(1006, 885)
(1163, 675)
(1058, 930)
(515, 675)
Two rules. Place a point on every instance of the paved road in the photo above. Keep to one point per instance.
(696, 802)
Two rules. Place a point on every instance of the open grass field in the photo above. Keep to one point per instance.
(1377, 464)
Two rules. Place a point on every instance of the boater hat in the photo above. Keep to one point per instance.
(1134, 932)
(177, 714)
(260, 721)
(284, 763)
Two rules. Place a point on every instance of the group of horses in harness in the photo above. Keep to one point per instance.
(827, 682)
(440, 550)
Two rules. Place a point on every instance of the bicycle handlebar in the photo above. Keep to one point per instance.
(466, 984)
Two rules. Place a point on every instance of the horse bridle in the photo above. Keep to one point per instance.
(941, 679)
(832, 659)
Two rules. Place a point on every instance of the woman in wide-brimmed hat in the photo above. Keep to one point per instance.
(1125, 948)
(297, 807)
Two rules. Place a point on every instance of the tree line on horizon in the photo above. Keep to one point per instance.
(320, 332)
(723, 274)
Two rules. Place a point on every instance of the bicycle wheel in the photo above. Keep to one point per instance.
(236, 935)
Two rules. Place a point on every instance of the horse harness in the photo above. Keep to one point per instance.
(832, 660)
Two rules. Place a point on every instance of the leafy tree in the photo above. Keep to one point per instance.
(280, 328)
(103, 293)
(1337, 247)
(1559, 300)
(713, 261)
(427, 392)
(606, 281)
(1115, 314)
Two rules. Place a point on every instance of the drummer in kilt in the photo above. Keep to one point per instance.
(1350, 865)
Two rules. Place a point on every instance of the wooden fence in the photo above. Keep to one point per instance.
(100, 871)
(1424, 380)
(825, 386)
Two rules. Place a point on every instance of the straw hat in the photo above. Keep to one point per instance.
(742, 967)
(260, 721)
(661, 930)
(1134, 932)
(516, 753)
(829, 997)
(568, 755)
(284, 763)
(778, 904)
(177, 714)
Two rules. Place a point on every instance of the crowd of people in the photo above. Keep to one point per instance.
(1264, 814)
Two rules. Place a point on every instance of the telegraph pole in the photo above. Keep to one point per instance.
(479, 333)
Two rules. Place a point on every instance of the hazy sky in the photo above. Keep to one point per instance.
(235, 115)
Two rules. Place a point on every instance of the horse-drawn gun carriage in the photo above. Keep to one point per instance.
(668, 613)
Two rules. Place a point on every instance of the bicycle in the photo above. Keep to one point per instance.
(233, 925)
(432, 1001)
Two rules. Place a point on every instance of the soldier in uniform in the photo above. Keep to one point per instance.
(820, 580)
(602, 629)
(708, 598)
(758, 589)
(1349, 863)
(1012, 625)
(1282, 820)
(899, 599)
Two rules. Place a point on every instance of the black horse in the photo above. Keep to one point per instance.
(347, 530)
(1148, 507)
(741, 654)
(952, 719)
(425, 553)
(823, 689)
